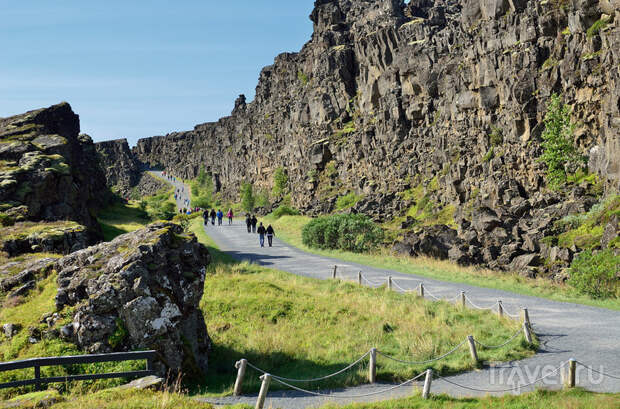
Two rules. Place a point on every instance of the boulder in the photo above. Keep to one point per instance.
(140, 291)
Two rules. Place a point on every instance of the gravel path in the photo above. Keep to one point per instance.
(565, 330)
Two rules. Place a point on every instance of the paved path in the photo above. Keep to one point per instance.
(590, 335)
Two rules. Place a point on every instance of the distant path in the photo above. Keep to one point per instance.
(565, 330)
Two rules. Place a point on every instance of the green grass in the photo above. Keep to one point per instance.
(28, 314)
(121, 218)
(300, 327)
(289, 229)
(540, 399)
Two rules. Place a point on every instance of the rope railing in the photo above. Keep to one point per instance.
(479, 307)
(554, 372)
(598, 372)
(422, 362)
(569, 380)
(516, 334)
(351, 396)
(282, 378)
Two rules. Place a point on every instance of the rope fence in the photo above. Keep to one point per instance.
(424, 292)
(569, 379)
(266, 377)
(461, 298)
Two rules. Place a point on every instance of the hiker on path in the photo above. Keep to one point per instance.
(205, 217)
(248, 222)
(220, 216)
(270, 234)
(212, 214)
(261, 234)
(254, 221)
(230, 216)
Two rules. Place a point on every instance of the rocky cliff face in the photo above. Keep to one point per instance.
(431, 108)
(48, 172)
(119, 165)
(139, 291)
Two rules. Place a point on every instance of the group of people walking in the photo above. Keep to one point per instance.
(251, 221)
(219, 215)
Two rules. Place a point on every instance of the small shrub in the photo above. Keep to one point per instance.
(262, 198)
(284, 210)
(496, 137)
(596, 274)
(489, 155)
(596, 27)
(347, 201)
(349, 232)
(559, 152)
(280, 182)
(248, 200)
(302, 77)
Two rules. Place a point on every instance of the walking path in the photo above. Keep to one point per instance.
(588, 334)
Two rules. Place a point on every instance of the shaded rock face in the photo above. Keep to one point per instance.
(48, 172)
(387, 97)
(140, 291)
(119, 165)
(43, 237)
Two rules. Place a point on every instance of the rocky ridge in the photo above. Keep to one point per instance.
(434, 105)
(48, 172)
(140, 291)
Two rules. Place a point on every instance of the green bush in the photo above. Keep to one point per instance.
(262, 198)
(284, 210)
(202, 190)
(596, 274)
(248, 200)
(280, 182)
(350, 232)
(559, 152)
(347, 201)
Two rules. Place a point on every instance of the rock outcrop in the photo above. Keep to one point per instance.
(445, 98)
(140, 291)
(121, 169)
(48, 172)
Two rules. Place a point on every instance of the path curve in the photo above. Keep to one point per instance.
(565, 330)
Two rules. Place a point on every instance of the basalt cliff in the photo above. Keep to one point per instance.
(433, 109)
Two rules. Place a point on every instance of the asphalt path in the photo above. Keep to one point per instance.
(565, 330)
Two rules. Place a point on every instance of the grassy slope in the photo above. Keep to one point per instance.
(121, 218)
(303, 328)
(288, 229)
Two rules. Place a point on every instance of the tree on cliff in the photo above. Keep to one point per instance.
(247, 197)
(559, 152)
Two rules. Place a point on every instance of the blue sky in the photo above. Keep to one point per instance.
(133, 69)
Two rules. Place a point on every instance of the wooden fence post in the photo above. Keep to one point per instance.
(527, 333)
(463, 299)
(264, 387)
(472, 348)
(359, 277)
(334, 273)
(372, 368)
(427, 384)
(526, 317)
(240, 365)
(500, 309)
(421, 290)
(572, 372)
(390, 283)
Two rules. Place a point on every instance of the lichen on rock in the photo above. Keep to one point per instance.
(142, 290)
